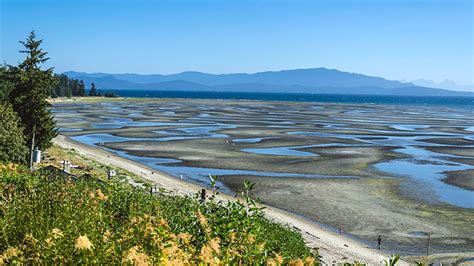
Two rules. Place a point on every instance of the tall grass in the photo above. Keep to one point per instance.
(49, 219)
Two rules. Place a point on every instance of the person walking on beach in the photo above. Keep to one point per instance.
(379, 241)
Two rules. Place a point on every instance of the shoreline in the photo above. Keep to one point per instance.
(332, 247)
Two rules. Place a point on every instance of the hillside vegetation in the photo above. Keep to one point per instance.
(47, 218)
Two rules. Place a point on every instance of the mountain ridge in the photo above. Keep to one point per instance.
(312, 80)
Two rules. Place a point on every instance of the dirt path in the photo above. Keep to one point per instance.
(333, 248)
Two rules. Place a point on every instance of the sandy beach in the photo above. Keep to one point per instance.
(370, 170)
(332, 247)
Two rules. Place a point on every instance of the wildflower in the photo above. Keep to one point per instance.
(101, 195)
(201, 218)
(82, 242)
(56, 233)
(278, 259)
(232, 237)
(206, 254)
(271, 262)
(106, 236)
(214, 244)
(149, 228)
(135, 257)
(91, 195)
(11, 252)
(163, 223)
(251, 238)
(12, 166)
(49, 241)
(297, 262)
(309, 261)
(30, 239)
(185, 237)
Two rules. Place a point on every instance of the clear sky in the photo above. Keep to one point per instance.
(395, 39)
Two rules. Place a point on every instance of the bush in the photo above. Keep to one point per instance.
(12, 141)
(46, 219)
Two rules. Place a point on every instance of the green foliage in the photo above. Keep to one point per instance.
(31, 88)
(46, 219)
(110, 94)
(67, 87)
(392, 260)
(12, 141)
(5, 85)
(93, 90)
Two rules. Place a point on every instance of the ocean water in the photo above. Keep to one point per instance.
(467, 102)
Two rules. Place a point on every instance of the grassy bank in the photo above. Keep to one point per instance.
(47, 218)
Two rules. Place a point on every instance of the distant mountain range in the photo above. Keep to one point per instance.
(445, 84)
(314, 80)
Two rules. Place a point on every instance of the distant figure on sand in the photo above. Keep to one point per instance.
(379, 241)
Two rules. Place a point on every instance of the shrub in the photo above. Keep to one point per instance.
(47, 219)
(12, 141)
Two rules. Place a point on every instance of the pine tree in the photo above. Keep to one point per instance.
(31, 88)
(93, 91)
(82, 89)
(100, 93)
(5, 84)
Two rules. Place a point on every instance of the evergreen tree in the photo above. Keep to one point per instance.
(75, 87)
(5, 84)
(100, 93)
(82, 89)
(93, 91)
(12, 141)
(31, 88)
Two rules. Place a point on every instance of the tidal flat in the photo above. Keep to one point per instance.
(403, 172)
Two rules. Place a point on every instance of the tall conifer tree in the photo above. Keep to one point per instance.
(93, 91)
(31, 88)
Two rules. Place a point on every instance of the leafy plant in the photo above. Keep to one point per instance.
(48, 219)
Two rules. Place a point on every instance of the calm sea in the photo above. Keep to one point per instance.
(467, 102)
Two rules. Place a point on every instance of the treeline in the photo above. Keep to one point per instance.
(94, 92)
(26, 121)
(68, 87)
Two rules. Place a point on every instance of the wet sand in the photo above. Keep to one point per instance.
(372, 169)
(332, 247)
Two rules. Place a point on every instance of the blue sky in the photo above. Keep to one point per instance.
(397, 39)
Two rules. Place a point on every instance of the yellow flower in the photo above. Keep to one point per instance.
(101, 195)
(30, 239)
(106, 236)
(56, 233)
(271, 262)
(135, 257)
(91, 195)
(214, 244)
(251, 238)
(185, 237)
(49, 242)
(11, 252)
(82, 242)
(297, 262)
(163, 223)
(309, 261)
(201, 218)
(278, 259)
(232, 237)
(207, 254)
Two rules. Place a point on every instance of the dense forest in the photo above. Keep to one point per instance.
(68, 87)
